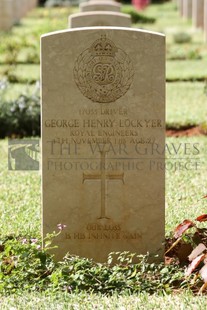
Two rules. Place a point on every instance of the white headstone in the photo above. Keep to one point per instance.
(198, 13)
(33, 4)
(187, 9)
(17, 9)
(180, 7)
(99, 18)
(97, 5)
(205, 20)
(103, 140)
(25, 7)
(6, 14)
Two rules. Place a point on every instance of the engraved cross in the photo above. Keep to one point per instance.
(103, 176)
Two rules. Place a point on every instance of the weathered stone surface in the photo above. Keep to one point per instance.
(99, 18)
(103, 137)
(98, 5)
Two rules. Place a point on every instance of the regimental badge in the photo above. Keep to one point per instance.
(103, 72)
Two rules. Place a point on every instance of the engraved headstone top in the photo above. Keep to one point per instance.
(103, 137)
(91, 83)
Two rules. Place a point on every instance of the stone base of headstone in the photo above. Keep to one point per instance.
(99, 18)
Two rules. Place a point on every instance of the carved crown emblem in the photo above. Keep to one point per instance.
(103, 72)
(103, 47)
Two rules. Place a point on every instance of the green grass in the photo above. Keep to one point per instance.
(186, 104)
(186, 70)
(185, 186)
(35, 301)
(19, 199)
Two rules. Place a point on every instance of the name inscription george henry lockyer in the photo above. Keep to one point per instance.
(103, 110)
(103, 72)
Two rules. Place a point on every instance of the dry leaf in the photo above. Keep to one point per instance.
(181, 228)
(202, 288)
(203, 273)
(194, 264)
(197, 251)
(202, 218)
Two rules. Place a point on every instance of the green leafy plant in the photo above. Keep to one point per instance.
(21, 117)
(75, 274)
(181, 38)
(26, 265)
(23, 265)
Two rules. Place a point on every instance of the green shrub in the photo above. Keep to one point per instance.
(181, 38)
(57, 3)
(137, 17)
(20, 117)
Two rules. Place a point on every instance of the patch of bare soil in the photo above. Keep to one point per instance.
(186, 132)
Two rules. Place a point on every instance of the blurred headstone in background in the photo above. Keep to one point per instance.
(197, 15)
(11, 12)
